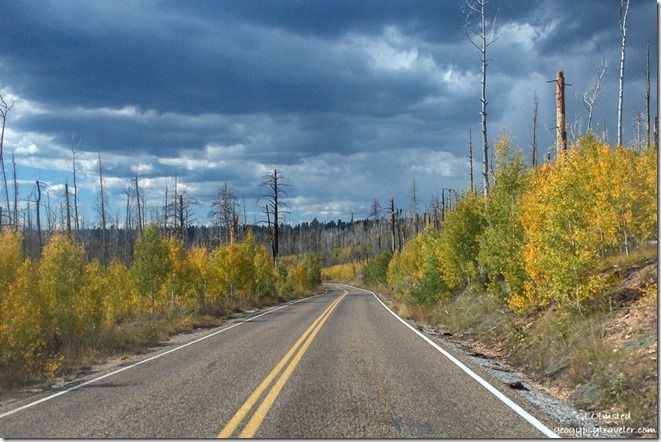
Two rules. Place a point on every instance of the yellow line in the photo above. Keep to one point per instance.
(253, 425)
(236, 420)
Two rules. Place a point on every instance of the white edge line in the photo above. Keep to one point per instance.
(507, 401)
(112, 373)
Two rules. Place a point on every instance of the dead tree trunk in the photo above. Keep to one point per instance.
(481, 35)
(560, 111)
(470, 157)
(533, 146)
(15, 214)
(624, 12)
(647, 98)
(4, 109)
(137, 198)
(66, 193)
(39, 217)
(102, 213)
(393, 217)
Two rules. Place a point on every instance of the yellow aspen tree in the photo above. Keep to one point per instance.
(90, 308)
(459, 243)
(151, 264)
(199, 259)
(61, 279)
(179, 283)
(22, 342)
(501, 244)
(121, 300)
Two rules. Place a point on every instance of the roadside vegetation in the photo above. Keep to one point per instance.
(555, 272)
(62, 312)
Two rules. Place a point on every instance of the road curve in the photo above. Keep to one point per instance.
(338, 365)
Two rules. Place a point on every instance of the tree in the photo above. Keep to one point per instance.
(74, 168)
(470, 157)
(151, 263)
(481, 35)
(4, 110)
(15, 219)
(375, 210)
(414, 208)
(459, 243)
(23, 334)
(592, 92)
(61, 281)
(533, 145)
(274, 207)
(624, 12)
(502, 242)
(647, 97)
(102, 214)
(224, 212)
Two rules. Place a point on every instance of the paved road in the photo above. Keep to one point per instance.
(339, 365)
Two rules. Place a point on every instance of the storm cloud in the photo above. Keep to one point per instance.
(351, 100)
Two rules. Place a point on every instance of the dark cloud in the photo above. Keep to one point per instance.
(352, 99)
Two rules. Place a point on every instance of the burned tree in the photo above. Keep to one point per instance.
(592, 92)
(4, 110)
(481, 33)
(275, 205)
(223, 213)
(624, 12)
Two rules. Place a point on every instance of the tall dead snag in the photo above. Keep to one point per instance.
(102, 214)
(393, 218)
(137, 199)
(592, 92)
(560, 111)
(41, 245)
(4, 110)
(470, 157)
(74, 167)
(624, 12)
(414, 209)
(481, 34)
(224, 209)
(13, 162)
(275, 205)
(647, 97)
(68, 205)
(533, 144)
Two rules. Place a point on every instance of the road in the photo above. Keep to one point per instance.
(338, 365)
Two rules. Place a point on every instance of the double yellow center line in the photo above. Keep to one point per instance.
(286, 365)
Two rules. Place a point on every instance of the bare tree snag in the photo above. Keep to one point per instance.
(39, 216)
(481, 35)
(4, 110)
(15, 214)
(470, 157)
(624, 12)
(592, 92)
(66, 194)
(102, 214)
(393, 216)
(137, 198)
(533, 145)
(275, 203)
(647, 97)
(560, 111)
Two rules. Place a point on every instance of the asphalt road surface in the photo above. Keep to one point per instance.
(338, 365)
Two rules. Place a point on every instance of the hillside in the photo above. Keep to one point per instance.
(603, 363)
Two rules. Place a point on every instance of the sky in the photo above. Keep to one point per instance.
(350, 100)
